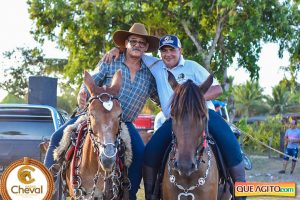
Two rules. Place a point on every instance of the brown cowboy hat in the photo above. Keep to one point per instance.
(120, 36)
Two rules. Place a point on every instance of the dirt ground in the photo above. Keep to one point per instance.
(265, 170)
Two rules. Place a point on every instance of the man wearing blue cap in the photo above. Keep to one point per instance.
(173, 61)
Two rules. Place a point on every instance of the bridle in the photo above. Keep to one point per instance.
(107, 104)
(201, 149)
(119, 146)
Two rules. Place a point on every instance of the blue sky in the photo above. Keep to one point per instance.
(15, 26)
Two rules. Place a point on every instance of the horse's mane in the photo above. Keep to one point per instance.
(188, 102)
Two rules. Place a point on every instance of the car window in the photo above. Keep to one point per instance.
(26, 128)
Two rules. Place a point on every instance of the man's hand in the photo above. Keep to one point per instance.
(81, 99)
(113, 53)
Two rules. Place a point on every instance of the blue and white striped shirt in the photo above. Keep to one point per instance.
(132, 95)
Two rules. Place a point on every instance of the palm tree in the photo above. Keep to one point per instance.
(281, 98)
(249, 98)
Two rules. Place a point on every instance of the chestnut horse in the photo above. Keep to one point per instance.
(93, 171)
(191, 170)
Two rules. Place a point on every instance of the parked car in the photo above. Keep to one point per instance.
(23, 127)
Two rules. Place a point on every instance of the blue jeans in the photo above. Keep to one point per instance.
(219, 130)
(135, 169)
(54, 142)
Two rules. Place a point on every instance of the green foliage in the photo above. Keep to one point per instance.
(10, 98)
(280, 98)
(150, 108)
(26, 62)
(262, 131)
(68, 100)
(65, 104)
(213, 32)
(249, 99)
(285, 97)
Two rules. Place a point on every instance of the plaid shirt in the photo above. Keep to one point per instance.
(132, 95)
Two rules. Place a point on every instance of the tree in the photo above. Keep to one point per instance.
(212, 32)
(249, 99)
(26, 62)
(283, 97)
(12, 99)
(23, 62)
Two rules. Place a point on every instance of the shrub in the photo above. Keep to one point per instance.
(262, 131)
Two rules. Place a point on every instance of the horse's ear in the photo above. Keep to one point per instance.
(207, 83)
(116, 82)
(172, 81)
(89, 82)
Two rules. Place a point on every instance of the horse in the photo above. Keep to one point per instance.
(191, 170)
(95, 170)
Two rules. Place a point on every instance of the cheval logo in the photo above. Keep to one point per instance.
(24, 175)
(26, 179)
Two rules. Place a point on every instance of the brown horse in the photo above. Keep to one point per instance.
(94, 170)
(191, 171)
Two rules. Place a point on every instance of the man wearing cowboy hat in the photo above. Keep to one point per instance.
(137, 85)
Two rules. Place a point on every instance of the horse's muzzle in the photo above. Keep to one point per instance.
(184, 168)
(108, 157)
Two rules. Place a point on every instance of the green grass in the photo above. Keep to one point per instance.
(141, 193)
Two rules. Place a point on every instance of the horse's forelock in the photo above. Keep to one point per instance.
(188, 102)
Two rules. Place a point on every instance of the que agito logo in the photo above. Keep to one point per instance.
(26, 179)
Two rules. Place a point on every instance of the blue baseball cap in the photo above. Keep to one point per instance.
(169, 40)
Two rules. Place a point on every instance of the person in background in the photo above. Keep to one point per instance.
(292, 139)
(217, 107)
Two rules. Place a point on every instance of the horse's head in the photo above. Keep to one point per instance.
(104, 112)
(189, 114)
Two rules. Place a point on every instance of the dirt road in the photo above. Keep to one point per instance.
(266, 170)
